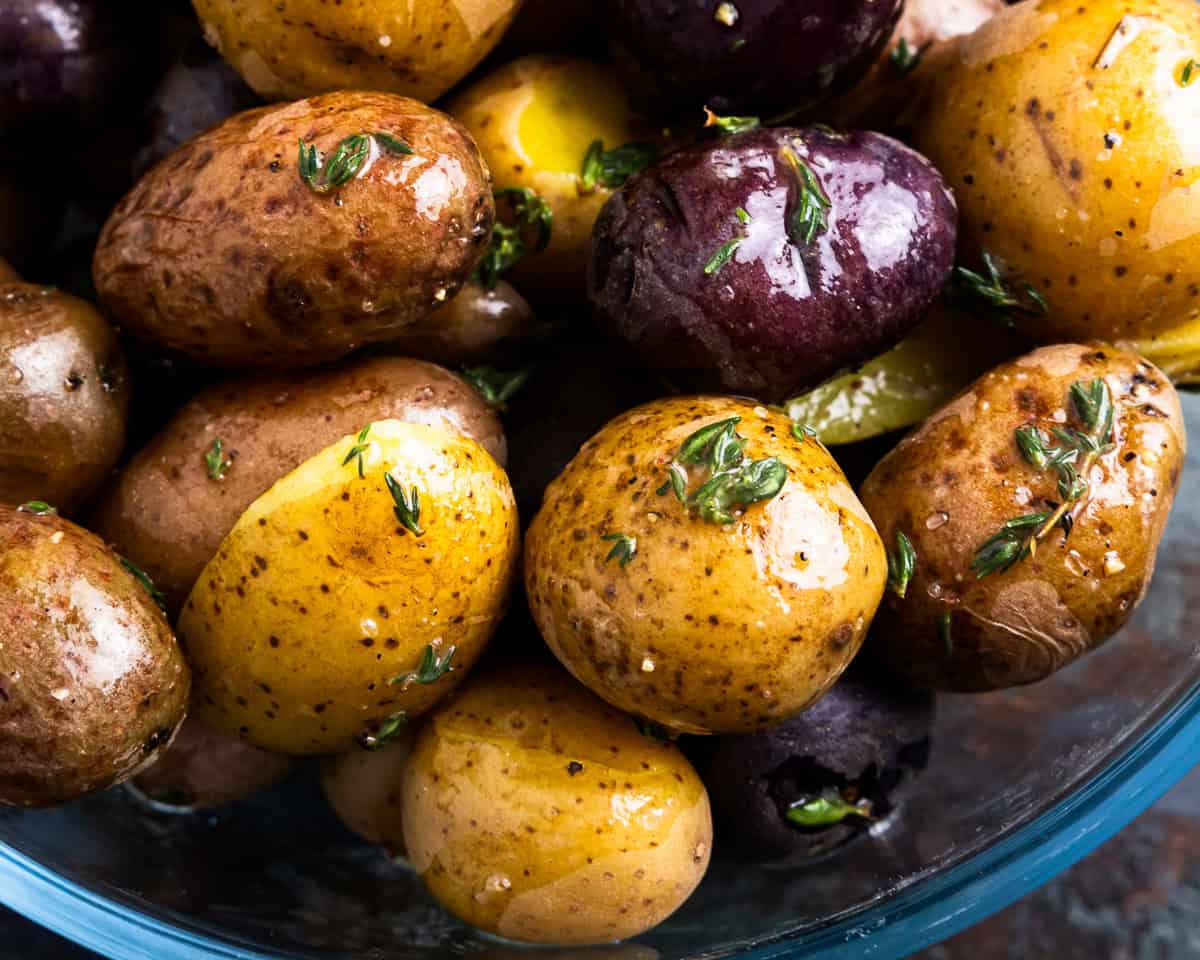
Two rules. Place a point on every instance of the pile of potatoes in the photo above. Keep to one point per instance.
(261, 456)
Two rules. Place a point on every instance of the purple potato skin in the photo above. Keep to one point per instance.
(778, 55)
(859, 733)
(778, 316)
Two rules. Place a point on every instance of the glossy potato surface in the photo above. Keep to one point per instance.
(1069, 137)
(708, 628)
(319, 597)
(224, 252)
(951, 485)
(535, 811)
(469, 326)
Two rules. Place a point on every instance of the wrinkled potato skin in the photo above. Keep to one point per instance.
(1017, 123)
(7, 273)
(166, 512)
(963, 463)
(314, 46)
(94, 685)
(469, 327)
(523, 778)
(222, 251)
(708, 629)
(364, 788)
(318, 598)
(64, 397)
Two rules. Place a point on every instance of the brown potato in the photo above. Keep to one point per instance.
(363, 788)
(706, 627)
(169, 514)
(92, 683)
(981, 614)
(535, 811)
(225, 252)
(64, 397)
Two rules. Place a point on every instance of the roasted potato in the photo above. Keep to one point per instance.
(535, 811)
(364, 786)
(92, 683)
(308, 47)
(1018, 566)
(535, 120)
(1068, 134)
(355, 593)
(64, 397)
(239, 252)
(724, 613)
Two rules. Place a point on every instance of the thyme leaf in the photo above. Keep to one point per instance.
(902, 564)
(408, 513)
(810, 213)
(611, 168)
(826, 810)
(431, 668)
(730, 125)
(530, 231)
(496, 386)
(968, 290)
(39, 508)
(905, 59)
(216, 462)
(384, 733)
(143, 578)
(359, 449)
(624, 547)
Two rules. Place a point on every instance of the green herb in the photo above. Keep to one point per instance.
(624, 547)
(430, 669)
(968, 289)
(392, 144)
(497, 386)
(611, 168)
(1186, 76)
(826, 811)
(39, 507)
(733, 480)
(742, 215)
(385, 733)
(802, 432)
(359, 449)
(905, 59)
(943, 628)
(730, 124)
(409, 514)
(722, 256)
(216, 461)
(809, 216)
(533, 223)
(1070, 454)
(310, 165)
(653, 731)
(902, 564)
(346, 160)
(144, 579)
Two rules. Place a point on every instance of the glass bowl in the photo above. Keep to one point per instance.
(1020, 785)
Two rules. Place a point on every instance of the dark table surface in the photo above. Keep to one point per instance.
(1136, 898)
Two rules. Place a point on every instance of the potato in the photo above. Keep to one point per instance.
(983, 610)
(363, 788)
(355, 592)
(7, 273)
(535, 811)
(534, 120)
(203, 770)
(64, 397)
(170, 509)
(699, 625)
(1069, 138)
(307, 47)
(224, 250)
(92, 683)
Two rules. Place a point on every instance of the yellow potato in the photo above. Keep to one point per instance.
(535, 811)
(322, 595)
(363, 788)
(1070, 137)
(706, 627)
(305, 47)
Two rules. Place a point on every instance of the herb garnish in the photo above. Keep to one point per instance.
(497, 386)
(733, 481)
(144, 579)
(902, 564)
(431, 669)
(624, 547)
(968, 288)
(828, 809)
(409, 514)
(904, 58)
(216, 461)
(359, 449)
(730, 124)
(611, 168)
(1071, 459)
(1185, 77)
(392, 144)
(387, 731)
(346, 160)
(810, 214)
(725, 252)
(533, 223)
(802, 432)
(39, 508)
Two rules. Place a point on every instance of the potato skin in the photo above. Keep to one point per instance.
(224, 252)
(166, 512)
(311, 46)
(708, 629)
(514, 807)
(954, 481)
(1085, 182)
(64, 397)
(364, 788)
(94, 685)
(318, 598)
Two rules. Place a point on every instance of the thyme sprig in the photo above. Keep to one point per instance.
(387, 731)
(530, 232)
(623, 549)
(968, 290)
(905, 59)
(810, 213)
(431, 669)
(728, 125)
(143, 578)
(407, 512)
(726, 250)
(611, 168)
(497, 386)
(358, 451)
(216, 461)
(902, 564)
(346, 160)
(826, 810)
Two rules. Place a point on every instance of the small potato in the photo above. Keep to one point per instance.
(535, 811)
(986, 607)
(64, 397)
(699, 625)
(355, 592)
(92, 683)
(1069, 135)
(307, 47)
(364, 786)
(224, 250)
(170, 508)
(534, 120)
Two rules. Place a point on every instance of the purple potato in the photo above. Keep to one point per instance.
(764, 262)
(861, 740)
(748, 56)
